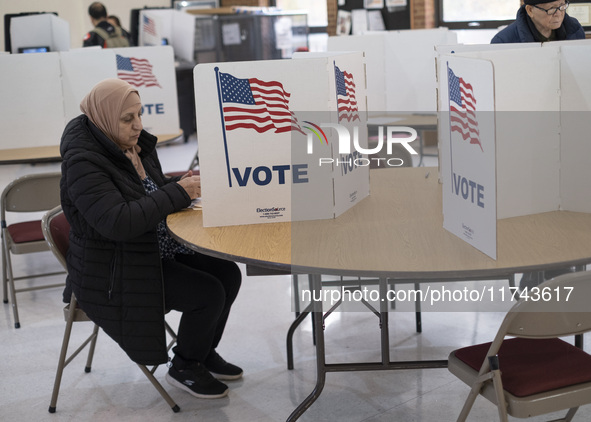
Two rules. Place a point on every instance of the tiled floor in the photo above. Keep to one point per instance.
(116, 390)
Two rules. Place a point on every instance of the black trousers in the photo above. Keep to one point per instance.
(203, 288)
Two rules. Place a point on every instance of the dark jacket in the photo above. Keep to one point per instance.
(522, 30)
(114, 265)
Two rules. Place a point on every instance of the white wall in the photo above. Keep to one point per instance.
(75, 12)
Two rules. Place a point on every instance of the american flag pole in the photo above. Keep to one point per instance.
(451, 155)
(217, 79)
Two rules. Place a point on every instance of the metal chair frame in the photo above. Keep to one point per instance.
(550, 317)
(73, 313)
(27, 194)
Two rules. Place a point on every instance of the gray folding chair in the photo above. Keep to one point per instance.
(536, 372)
(27, 194)
(56, 230)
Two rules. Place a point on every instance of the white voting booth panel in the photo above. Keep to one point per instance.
(46, 89)
(467, 152)
(94, 64)
(400, 67)
(175, 26)
(149, 69)
(541, 122)
(471, 48)
(43, 30)
(373, 46)
(527, 126)
(575, 145)
(411, 81)
(261, 165)
(152, 26)
(31, 105)
(347, 187)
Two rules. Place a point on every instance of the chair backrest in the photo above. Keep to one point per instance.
(56, 230)
(560, 307)
(31, 193)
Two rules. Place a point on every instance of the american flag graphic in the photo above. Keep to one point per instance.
(138, 72)
(346, 101)
(462, 109)
(255, 104)
(149, 25)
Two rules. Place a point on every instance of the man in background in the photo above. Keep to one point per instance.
(104, 34)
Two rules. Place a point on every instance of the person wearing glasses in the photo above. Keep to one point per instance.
(541, 21)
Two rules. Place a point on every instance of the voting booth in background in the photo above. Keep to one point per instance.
(401, 75)
(168, 26)
(31, 102)
(540, 123)
(270, 136)
(149, 69)
(39, 33)
(40, 93)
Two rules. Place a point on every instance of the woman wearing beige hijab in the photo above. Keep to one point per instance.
(123, 266)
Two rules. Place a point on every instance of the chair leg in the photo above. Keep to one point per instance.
(4, 275)
(88, 366)
(175, 408)
(570, 414)
(474, 392)
(61, 362)
(498, 386)
(172, 335)
(10, 281)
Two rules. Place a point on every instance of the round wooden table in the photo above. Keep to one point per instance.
(397, 232)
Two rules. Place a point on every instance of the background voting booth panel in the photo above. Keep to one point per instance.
(175, 28)
(411, 82)
(42, 30)
(400, 67)
(151, 71)
(94, 64)
(40, 93)
(152, 27)
(575, 145)
(373, 47)
(256, 166)
(31, 104)
(541, 124)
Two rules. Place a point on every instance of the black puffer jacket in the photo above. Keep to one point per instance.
(114, 266)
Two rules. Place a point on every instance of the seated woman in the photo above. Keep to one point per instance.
(124, 268)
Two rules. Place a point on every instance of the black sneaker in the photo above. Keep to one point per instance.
(221, 369)
(196, 380)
